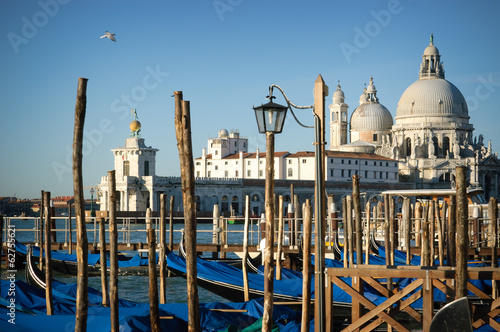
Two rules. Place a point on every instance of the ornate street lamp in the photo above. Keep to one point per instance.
(270, 119)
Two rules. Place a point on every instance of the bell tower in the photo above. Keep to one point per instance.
(338, 119)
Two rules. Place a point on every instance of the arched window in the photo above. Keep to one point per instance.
(436, 145)
(408, 146)
(235, 204)
(255, 198)
(224, 205)
(446, 145)
(290, 172)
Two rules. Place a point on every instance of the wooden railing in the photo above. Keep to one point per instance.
(366, 316)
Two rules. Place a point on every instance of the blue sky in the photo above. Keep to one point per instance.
(223, 55)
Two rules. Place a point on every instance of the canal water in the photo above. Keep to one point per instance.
(134, 288)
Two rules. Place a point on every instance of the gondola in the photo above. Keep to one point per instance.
(252, 263)
(34, 276)
(68, 264)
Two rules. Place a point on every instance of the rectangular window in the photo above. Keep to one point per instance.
(209, 174)
(236, 174)
(375, 137)
(248, 163)
(216, 152)
(387, 164)
(342, 161)
(386, 175)
(126, 168)
(261, 173)
(197, 174)
(304, 161)
(349, 162)
(331, 161)
(356, 162)
(226, 174)
(342, 173)
(331, 172)
(261, 162)
(366, 174)
(216, 167)
(198, 163)
(249, 173)
(289, 161)
(366, 163)
(209, 163)
(349, 173)
(225, 163)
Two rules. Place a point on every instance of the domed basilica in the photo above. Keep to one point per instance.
(430, 135)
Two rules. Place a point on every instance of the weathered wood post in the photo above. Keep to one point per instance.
(306, 271)
(280, 238)
(439, 230)
(426, 259)
(432, 230)
(42, 208)
(358, 222)
(407, 227)
(368, 233)
(418, 223)
(70, 234)
(154, 310)
(171, 224)
(267, 318)
(246, 289)
(104, 262)
(113, 253)
(392, 230)
(216, 229)
(462, 234)
(387, 229)
(297, 217)
(184, 145)
(148, 223)
(81, 229)
(171, 228)
(163, 245)
(344, 224)
(452, 229)
(493, 213)
(48, 250)
(289, 216)
(350, 229)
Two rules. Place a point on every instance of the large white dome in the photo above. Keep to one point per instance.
(430, 97)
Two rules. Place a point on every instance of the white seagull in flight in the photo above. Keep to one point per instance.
(109, 35)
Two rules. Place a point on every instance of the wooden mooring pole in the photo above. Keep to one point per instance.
(183, 135)
(163, 245)
(48, 250)
(493, 213)
(306, 271)
(70, 231)
(81, 229)
(462, 233)
(154, 310)
(452, 229)
(246, 289)
(113, 253)
(280, 238)
(104, 262)
(42, 208)
(357, 219)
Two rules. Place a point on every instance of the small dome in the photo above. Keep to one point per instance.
(223, 133)
(135, 126)
(371, 116)
(338, 96)
(431, 50)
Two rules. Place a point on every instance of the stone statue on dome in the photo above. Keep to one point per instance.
(135, 126)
